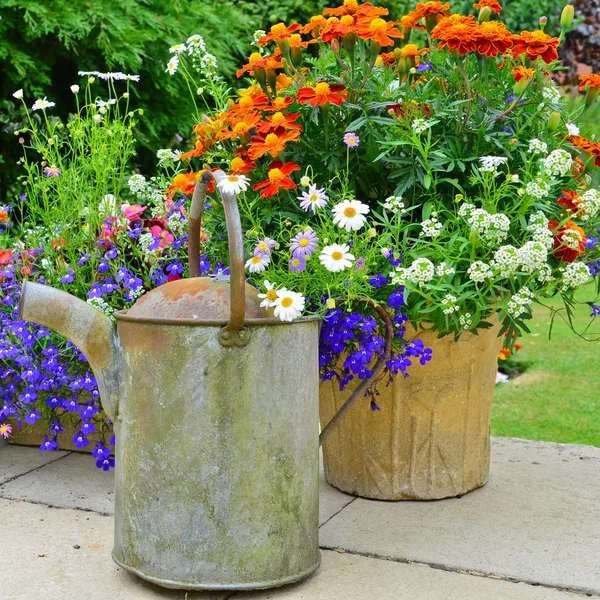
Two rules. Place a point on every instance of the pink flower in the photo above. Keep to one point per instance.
(133, 211)
(158, 233)
(5, 429)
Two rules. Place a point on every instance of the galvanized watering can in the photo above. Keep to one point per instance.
(215, 409)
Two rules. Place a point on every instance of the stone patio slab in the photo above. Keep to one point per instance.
(352, 577)
(43, 562)
(17, 460)
(73, 482)
(537, 520)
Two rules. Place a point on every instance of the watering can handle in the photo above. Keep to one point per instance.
(233, 334)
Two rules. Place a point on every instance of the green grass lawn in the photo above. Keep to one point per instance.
(557, 398)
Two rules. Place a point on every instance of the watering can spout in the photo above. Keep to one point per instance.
(90, 330)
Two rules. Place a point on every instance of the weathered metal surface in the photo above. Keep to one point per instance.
(217, 465)
(89, 329)
(201, 299)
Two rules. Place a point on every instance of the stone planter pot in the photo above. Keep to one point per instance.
(431, 438)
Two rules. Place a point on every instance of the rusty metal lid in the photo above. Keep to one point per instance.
(199, 298)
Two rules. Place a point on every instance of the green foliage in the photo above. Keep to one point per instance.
(43, 43)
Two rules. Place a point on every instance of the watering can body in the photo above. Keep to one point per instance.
(215, 410)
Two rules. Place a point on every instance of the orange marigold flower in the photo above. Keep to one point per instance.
(569, 240)
(5, 256)
(278, 119)
(412, 51)
(240, 127)
(388, 58)
(283, 82)
(570, 200)
(457, 33)
(519, 73)
(494, 38)
(411, 20)
(257, 61)
(322, 92)
(315, 25)
(589, 147)
(278, 33)
(336, 28)
(278, 178)
(241, 164)
(378, 30)
(591, 80)
(252, 98)
(536, 44)
(352, 7)
(489, 3)
(272, 143)
(430, 9)
(3, 216)
(184, 183)
(279, 103)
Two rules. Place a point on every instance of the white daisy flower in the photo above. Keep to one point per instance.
(350, 214)
(75, 89)
(572, 129)
(258, 263)
(134, 78)
(269, 298)
(233, 184)
(18, 94)
(177, 49)
(312, 199)
(289, 305)
(42, 104)
(172, 65)
(336, 257)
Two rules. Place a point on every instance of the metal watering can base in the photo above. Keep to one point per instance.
(215, 409)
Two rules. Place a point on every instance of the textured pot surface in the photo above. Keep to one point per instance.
(217, 456)
(431, 438)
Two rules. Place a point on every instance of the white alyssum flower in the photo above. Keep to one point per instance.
(233, 184)
(420, 272)
(465, 209)
(519, 302)
(551, 95)
(208, 65)
(177, 49)
(336, 257)
(571, 238)
(572, 129)
(288, 305)
(492, 228)
(545, 274)
(575, 274)
(313, 198)
(42, 104)
(590, 204)
(532, 256)
(558, 163)
(420, 125)
(75, 89)
(537, 146)
(350, 214)
(449, 303)
(539, 188)
(506, 261)
(479, 271)
(172, 65)
(269, 297)
(394, 204)
(165, 156)
(18, 94)
(259, 33)
(443, 269)
(538, 225)
(137, 184)
(465, 321)
(490, 164)
(258, 263)
(431, 227)
(101, 305)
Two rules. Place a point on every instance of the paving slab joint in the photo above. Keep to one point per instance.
(56, 506)
(50, 462)
(441, 567)
(338, 512)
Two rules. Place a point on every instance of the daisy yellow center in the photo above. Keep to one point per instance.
(278, 118)
(240, 128)
(322, 89)
(349, 212)
(255, 57)
(336, 255)
(279, 29)
(352, 140)
(256, 260)
(286, 302)
(275, 175)
(263, 246)
(233, 178)
(295, 262)
(272, 295)
(303, 242)
(378, 26)
(314, 197)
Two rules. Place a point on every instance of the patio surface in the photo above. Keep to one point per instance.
(532, 533)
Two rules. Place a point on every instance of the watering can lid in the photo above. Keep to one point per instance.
(205, 299)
